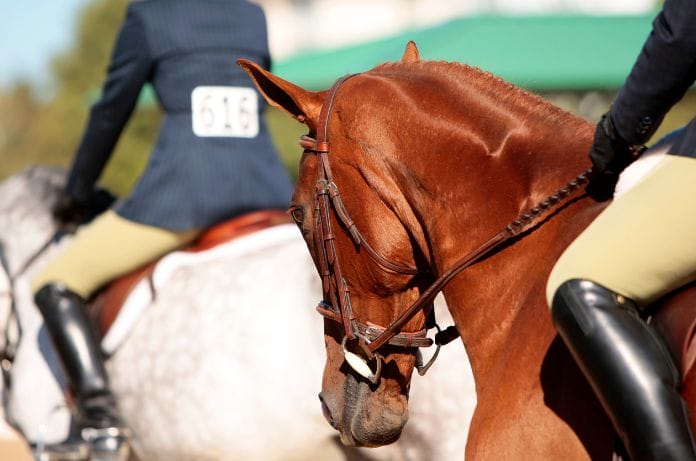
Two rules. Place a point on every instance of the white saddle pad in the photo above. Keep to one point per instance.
(143, 293)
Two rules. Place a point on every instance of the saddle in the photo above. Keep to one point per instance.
(674, 318)
(674, 315)
(107, 303)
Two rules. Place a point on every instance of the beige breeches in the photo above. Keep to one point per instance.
(106, 248)
(644, 243)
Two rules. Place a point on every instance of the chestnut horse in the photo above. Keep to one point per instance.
(427, 163)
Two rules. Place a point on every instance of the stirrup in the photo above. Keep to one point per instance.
(68, 450)
(107, 444)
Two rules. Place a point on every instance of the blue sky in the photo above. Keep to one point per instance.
(33, 31)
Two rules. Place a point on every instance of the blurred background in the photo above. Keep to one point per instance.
(575, 53)
(53, 55)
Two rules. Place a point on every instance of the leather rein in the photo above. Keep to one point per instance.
(370, 337)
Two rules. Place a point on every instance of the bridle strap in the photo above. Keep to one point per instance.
(334, 285)
(515, 228)
(371, 332)
(378, 336)
(320, 146)
(524, 222)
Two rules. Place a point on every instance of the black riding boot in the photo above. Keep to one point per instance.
(72, 334)
(629, 368)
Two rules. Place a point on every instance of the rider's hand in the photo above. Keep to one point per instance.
(610, 155)
(70, 212)
(67, 211)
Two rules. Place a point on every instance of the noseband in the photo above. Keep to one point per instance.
(367, 338)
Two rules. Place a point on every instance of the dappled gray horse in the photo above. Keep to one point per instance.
(217, 357)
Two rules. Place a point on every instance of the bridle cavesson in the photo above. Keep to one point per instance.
(368, 337)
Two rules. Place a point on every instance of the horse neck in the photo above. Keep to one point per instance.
(524, 154)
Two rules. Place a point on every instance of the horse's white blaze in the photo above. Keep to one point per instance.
(224, 362)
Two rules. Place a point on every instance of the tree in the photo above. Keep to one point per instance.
(49, 132)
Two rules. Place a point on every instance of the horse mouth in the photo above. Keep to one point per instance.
(348, 440)
(367, 421)
(359, 437)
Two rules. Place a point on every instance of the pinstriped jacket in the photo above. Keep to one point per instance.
(213, 158)
(663, 72)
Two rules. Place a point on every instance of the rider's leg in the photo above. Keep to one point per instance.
(638, 249)
(71, 331)
(100, 251)
(106, 248)
(629, 369)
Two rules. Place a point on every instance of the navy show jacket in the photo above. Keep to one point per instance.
(661, 75)
(188, 49)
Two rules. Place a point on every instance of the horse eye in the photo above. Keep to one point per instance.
(297, 214)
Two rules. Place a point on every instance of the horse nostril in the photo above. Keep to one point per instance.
(326, 412)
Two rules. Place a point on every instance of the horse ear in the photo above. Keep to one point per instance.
(411, 54)
(303, 105)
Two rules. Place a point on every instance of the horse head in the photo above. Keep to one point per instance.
(371, 267)
(412, 172)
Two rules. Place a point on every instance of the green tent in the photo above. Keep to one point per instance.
(535, 52)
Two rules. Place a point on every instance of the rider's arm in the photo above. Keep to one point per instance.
(128, 71)
(663, 72)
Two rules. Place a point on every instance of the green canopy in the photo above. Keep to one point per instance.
(535, 52)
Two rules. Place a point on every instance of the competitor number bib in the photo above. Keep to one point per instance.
(228, 111)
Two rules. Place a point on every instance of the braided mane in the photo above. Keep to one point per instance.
(483, 82)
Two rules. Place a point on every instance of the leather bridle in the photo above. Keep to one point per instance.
(368, 336)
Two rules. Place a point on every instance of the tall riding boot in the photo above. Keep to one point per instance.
(629, 368)
(73, 336)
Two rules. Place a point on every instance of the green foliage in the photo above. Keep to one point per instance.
(33, 132)
(286, 133)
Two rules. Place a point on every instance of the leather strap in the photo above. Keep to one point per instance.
(328, 196)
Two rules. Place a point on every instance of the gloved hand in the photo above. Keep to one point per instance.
(70, 212)
(610, 155)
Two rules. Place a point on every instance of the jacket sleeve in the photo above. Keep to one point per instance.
(661, 75)
(128, 71)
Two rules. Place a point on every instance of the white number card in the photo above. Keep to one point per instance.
(229, 111)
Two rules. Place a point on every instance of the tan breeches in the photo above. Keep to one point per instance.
(644, 243)
(106, 248)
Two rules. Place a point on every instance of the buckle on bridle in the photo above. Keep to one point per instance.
(421, 365)
(359, 360)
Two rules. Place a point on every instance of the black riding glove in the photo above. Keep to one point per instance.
(610, 155)
(70, 212)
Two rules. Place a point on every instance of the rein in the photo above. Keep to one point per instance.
(372, 337)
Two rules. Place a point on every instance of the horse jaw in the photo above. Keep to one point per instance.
(364, 414)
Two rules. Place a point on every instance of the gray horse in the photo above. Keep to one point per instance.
(217, 357)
